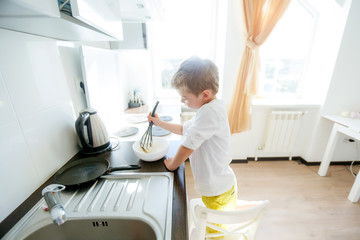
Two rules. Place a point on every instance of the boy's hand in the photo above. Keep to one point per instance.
(156, 120)
(172, 163)
(168, 163)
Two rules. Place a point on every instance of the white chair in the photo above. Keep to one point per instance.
(241, 223)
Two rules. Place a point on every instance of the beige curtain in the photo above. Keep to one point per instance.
(260, 18)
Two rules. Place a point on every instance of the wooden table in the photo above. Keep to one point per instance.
(351, 128)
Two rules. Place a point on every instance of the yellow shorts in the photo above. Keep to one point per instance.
(225, 201)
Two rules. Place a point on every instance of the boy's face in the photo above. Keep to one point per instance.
(190, 99)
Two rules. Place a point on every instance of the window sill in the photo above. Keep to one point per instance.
(287, 103)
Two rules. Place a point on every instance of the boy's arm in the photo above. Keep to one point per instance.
(171, 127)
(183, 153)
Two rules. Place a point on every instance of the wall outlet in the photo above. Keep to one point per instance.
(79, 85)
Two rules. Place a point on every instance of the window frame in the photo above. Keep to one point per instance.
(305, 71)
(158, 91)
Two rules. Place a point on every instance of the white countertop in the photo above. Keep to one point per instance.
(140, 121)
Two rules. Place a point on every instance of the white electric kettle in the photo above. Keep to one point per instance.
(92, 135)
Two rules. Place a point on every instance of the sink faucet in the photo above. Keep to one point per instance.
(55, 205)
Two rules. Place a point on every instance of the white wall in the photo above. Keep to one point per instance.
(344, 89)
(70, 57)
(134, 72)
(37, 133)
(40, 99)
(314, 132)
(246, 144)
(233, 51)
(331, 18)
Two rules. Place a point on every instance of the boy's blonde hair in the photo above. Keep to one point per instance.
(196, 75)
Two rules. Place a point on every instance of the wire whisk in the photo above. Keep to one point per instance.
(146, 139)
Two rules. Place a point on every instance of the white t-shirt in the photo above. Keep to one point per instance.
(208, 134)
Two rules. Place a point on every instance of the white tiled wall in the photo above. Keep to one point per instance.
(37, 133)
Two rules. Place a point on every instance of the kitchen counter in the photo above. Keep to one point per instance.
(122, 156)
(137, 118)
(127, 122)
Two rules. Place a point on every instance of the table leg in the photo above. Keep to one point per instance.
(354, 194)
(329, 150)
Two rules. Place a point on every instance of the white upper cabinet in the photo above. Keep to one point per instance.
(31, 8)
(104, 15)
(135, 37)
(81, 20)
(85, 20)
(140, 10)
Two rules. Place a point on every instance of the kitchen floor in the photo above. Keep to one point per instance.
(303, 205)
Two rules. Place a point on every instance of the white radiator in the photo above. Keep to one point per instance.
(281, 131)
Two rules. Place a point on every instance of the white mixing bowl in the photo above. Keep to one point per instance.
(157, 151)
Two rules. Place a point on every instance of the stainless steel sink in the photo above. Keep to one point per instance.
(104, 229)
(118, 206)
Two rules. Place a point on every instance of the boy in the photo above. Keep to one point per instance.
(207, 139)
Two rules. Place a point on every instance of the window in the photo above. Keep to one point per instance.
(187, 29)
(285, 54)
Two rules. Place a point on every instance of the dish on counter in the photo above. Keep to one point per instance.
(159, 132)
(137, 118)
(166, 118)
(125, 132)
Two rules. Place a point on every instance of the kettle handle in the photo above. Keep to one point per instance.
(79, 126)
